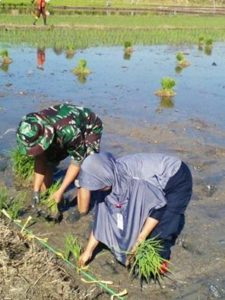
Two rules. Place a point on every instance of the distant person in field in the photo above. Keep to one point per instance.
(40, 10)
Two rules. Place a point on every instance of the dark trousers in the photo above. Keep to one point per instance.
(178, 194)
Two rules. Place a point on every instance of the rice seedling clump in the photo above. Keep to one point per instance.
(48, 201)
(22, 165)
(167, 85)
(147, 261)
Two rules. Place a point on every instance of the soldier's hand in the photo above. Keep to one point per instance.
(35, 199)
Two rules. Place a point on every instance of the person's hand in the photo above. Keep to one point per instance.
(35, 199)
(84, 258)
(57, 196)
(132, 253)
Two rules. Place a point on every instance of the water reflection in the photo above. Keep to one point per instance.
(4, 67)
(82, 78)
(208, 50)
(41, 58)
(58, 50)
(178, 69)
(70, 52)
(127, 56)
(165, 103)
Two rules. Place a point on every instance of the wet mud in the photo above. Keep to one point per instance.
(198, 261)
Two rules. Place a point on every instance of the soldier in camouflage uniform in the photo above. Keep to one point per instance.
(53, 134)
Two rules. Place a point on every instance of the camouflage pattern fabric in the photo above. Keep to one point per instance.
(76, 132)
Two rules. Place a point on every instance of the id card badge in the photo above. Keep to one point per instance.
(119, 218)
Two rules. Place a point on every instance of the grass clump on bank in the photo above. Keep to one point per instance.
(147, 261)
(22, 165)
(13, 205)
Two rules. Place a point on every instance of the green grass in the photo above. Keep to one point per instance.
(85, 31)
(16, 205)
(72, 247)
(119, 3)
(116, 21)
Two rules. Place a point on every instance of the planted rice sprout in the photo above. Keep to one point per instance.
(147, 260)
(70, 51)
(167, 90)
(128, 47)
(22, 165)
(208, 46)
(48, 200)
(81, 68)
(181, 60)
(6, 60)
(201, 42)
(72, 247)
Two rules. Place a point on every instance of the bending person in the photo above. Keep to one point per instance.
(53, 134)
(148, 195)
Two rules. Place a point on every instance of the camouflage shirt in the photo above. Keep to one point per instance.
(77, 132)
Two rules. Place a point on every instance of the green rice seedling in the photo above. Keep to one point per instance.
(208, 46)
(16, 205)
(22, 165)
(147, 261)
(201, 41)
(209, 42)
(167, 90)
(81, 68)
(3, 198)
(48, 201)
(6, 60)
(72, 247)
(128, 49)
(181, 60)
(70, 52)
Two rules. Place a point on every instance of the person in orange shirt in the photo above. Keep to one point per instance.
(40, 10)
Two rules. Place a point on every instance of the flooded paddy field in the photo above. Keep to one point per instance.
(190, 125)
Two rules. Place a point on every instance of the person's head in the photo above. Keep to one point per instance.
(97, 172)
(34, 135)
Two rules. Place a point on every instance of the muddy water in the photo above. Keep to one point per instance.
(122, 93)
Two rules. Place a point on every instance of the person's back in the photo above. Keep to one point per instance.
(70, 123)
(155, 168)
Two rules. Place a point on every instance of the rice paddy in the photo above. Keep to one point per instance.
(78, 32)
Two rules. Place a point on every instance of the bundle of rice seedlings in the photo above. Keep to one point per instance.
(147, 262)
(6, 60)
(22, 165)
(48, 200)
(181, 60)
(81, 68)
(72, 247)
(167, 84)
